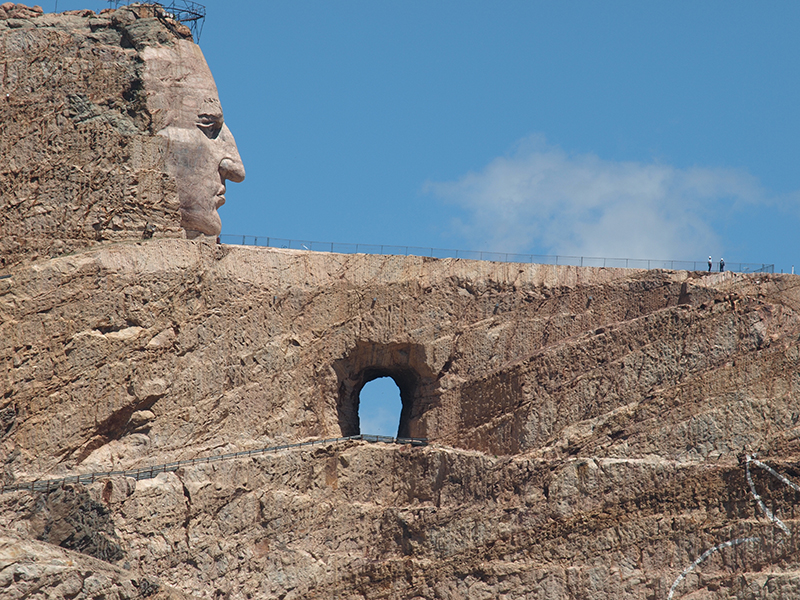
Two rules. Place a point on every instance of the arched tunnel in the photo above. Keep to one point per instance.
(405, 364)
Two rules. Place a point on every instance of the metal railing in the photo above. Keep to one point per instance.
(542, 259)
(45, 485)
(191, 14)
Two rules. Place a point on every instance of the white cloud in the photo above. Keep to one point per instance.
(541, 199)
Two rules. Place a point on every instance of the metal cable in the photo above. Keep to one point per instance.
(45, 485)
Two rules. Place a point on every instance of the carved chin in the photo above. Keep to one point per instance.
(206, 222)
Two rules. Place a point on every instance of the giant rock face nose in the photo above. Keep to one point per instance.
(230, 166)
(232, 169)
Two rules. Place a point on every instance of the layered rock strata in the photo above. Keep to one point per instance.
(588, 426)
(81, 161)
(591, 430)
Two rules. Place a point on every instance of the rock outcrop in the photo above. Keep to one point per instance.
(587, 425)
(81, 161)
(591, 431)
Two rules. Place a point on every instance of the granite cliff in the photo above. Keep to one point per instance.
(587, 426)
(80, 162)
(591, 431)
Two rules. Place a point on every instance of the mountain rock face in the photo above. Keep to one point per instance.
(81, 161)
(592, 432)
(588, 427)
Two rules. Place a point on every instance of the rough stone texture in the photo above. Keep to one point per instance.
(269, 346)
(70, 518)
(81, 162)
(39, 571)
(587, 424)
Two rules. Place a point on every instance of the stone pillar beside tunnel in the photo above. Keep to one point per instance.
(406, 364)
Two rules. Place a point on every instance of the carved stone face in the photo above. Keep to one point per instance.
(201, 152)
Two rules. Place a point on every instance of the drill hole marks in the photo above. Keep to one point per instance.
(769, 514)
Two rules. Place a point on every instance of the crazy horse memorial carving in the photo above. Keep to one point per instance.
(593, 433)
(201, 152)
(110, 123)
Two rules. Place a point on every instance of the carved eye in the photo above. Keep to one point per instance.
(210, 126)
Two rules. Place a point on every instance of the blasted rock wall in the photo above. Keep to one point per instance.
(273, 346)
(588, 426)
(81, 163)
(590, 430)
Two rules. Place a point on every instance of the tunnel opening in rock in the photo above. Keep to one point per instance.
(380, 406)
(405, 365)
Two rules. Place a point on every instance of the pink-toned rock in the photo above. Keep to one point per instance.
(79, 13)
(617, 422)
(591, 430)
(10, 10)
(89, 157)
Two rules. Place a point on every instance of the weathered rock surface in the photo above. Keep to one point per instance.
(588, 425)
(37, 570)
(590, 428)
(81, 162)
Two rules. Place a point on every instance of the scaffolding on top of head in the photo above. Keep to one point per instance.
(191, 14)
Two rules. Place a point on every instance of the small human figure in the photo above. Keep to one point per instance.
(709, 264)
(721, 265)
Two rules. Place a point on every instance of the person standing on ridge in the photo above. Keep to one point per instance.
(721, 264)
(709, 264)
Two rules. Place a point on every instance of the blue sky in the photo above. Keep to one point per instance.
(633, 129)
(653, 130)
(379, 407)
(645, 130)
